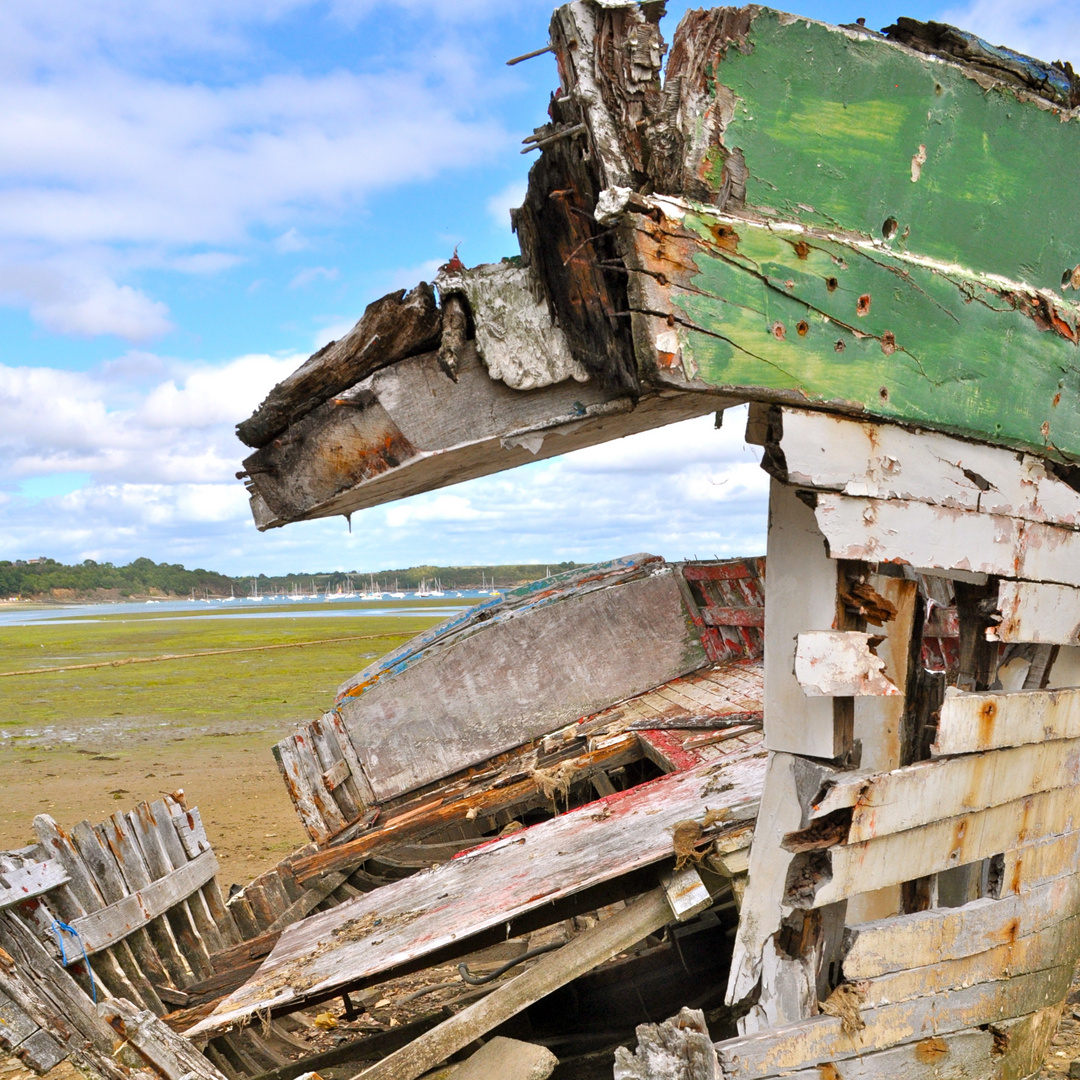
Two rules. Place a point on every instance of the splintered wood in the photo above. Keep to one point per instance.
(491, 885)
(967, 853)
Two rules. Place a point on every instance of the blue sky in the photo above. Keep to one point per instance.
(194, 196)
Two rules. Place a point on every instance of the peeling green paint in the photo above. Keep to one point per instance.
(833, 322)
(829, 124)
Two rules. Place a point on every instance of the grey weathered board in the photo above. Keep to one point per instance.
(100, 929)
(490, 885)
(519, 679)
(29, 881)
(410, 428)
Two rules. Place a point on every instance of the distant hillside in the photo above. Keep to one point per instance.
(46, 579)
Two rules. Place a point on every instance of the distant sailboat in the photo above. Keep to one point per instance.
(397, 594)
(372, 593)
(231, 597)
(255, 590)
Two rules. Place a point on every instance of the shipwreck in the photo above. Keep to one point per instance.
(810, 816)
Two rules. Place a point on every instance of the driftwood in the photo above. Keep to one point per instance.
(395, 327)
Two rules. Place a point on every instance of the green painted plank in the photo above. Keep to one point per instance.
(829, 123)
(934, 345)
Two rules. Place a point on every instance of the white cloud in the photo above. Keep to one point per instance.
(161, 466)
(314, 273)
(72, 296)
(1046, 29)
(179, 431)
(205, 262)
(114, 157)
(291, 240)
(501, 203)
(441, 509)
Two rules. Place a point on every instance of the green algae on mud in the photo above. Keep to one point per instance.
(243, 691)
(80, 745)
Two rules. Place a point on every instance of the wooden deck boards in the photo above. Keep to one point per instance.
(490, 885)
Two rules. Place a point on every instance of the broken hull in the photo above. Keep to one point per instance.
(515, 669)
(845, 231)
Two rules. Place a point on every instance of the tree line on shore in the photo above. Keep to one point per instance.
(44, 579)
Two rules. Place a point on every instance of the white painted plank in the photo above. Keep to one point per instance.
(1065, 669)
(921, 938)
(800, 596)
(31, 880)
(884, 461)
(881, 530)
(930, 791)
(100, 929)
(1036, 952)
(1031, 865)
(490, 885)
(822, 1039)
(987, 720)
(1038, 612)
(941, 845)
(967, 1055)
(839, 663)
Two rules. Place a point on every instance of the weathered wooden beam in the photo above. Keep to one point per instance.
(168, 1054)
(410, 428)
(29, 881)
(882, 726)
(391, 328)
(989, 720)
(102, 928)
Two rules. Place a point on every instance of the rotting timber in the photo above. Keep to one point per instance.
(827, 825)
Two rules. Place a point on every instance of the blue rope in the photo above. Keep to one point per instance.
(57, 927)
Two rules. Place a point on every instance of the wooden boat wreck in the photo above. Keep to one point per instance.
(831, 823)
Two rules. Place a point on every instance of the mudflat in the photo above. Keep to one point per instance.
(86, 742)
